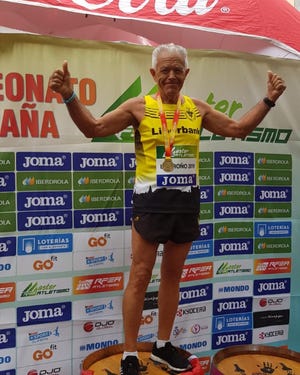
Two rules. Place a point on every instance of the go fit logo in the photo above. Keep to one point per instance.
(44, 265)
(98, 241)
(46, 354)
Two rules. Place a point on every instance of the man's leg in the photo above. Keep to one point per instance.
(171, 270)
(143, 259)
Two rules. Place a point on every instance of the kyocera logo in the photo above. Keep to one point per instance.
(274, 286)
(40, 314)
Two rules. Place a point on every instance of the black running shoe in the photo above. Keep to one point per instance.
(170, 356)
(130, 366)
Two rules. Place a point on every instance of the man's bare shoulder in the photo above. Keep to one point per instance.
(203, 107)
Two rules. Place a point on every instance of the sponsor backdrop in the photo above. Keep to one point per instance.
(65, 204)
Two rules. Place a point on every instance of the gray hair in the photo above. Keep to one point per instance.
(172, 48)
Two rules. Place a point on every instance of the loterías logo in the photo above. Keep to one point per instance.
(161, 7)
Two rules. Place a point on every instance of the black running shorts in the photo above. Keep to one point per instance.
(163, 227)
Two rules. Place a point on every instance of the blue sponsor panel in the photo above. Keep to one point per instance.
(8, 246)
(242, 246)
(200, 249)
(234, 210)
(128, 198)
(45, 244)
(98, 218)
(7, 338)
(8, 372)
(273, 229)
(97, 161)
(232, 305)
(7, 182)
(206, 194)
(223, 340)
(272, 286)
(43, 161)
(234, 177)
(273, 194)
(196, 293)
(41, 314)
(45, 200)
(234, 160)
(206, 232)
(176, 180)
(128, 216)
(232, 322)
(44, 220)
(129, 161)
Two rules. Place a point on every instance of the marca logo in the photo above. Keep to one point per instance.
(44, 200)
(41, 314)
(7, 292)
(98, 218)
(231, 247)
(195, 293)
(7, 338)
(229, 176)
(234, 159)
(273, 194)
(44, 220)
(206, 194)
(197, 271)
(98, 283)
(8, 246)
(97, 161)
(43, 161)
(272, 266)
(232, 305)
(220, 340)
(273, 286)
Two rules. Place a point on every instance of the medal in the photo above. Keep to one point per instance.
(168, 165)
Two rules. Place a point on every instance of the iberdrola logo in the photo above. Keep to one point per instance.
(28, 181)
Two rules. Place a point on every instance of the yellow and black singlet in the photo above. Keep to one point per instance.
(178, 190)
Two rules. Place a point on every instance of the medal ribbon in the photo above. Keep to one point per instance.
(168, 138)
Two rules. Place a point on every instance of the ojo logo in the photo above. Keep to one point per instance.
(39, 355)
(100, 241)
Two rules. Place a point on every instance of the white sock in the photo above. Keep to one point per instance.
(161, 343)
(126, 354)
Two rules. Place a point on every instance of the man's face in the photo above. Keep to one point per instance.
(169, 75)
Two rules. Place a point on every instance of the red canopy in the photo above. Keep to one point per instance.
(260, 26)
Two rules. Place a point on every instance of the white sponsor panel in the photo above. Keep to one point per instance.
(98, 327)
(267, 335)
(233, 268)
(97, 308)
(272, 302)
(8, 316)
(44, 263)
(149, 321)
(98, 259)
(7, 266)
(41, 289)
(191, 328)
(57, 368)
(127, 238)
(193, 310)
(98, 240)
(85, 346)
(194, 344)
(44, 354)
(7, 359)
(228, 289)
(44, 333)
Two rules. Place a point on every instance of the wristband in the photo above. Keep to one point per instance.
(70, 99)
(269, 102)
